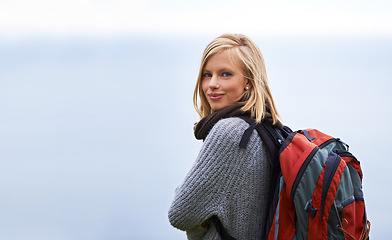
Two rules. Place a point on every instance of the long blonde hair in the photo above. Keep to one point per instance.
(244, 54)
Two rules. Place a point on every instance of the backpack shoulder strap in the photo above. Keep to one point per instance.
(272, 137)
(273, 140)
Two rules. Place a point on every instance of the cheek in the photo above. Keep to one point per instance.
(236, 89)
(204, 86)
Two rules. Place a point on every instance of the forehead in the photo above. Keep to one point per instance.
(224, 59)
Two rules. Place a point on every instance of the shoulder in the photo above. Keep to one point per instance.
(232, 125)
(228, 130)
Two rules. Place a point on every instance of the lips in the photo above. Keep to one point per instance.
(215, 96)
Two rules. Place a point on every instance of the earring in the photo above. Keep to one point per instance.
(246, 88)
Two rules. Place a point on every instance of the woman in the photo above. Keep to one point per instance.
(228, 185)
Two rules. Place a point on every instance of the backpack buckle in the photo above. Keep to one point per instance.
(310, 209)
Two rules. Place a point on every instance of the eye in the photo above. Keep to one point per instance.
(206, 75)
(226, 74)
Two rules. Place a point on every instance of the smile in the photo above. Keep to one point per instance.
(215, 96)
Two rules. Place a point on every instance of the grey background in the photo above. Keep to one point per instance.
(97, 133)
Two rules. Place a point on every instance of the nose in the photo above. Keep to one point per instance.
(214, 82)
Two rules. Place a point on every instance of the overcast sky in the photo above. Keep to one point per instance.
(123, 17)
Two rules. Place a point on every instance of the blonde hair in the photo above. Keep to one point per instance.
(244, 54)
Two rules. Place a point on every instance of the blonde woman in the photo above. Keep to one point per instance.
(228, 186)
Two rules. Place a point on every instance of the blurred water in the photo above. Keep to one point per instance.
(97, 133)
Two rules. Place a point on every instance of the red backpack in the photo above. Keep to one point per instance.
(320, 191)
(316, 186)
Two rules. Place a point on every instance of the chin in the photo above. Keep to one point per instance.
(217, 108)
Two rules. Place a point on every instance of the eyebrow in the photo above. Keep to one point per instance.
(225, 69)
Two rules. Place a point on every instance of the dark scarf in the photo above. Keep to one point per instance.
(203, 127)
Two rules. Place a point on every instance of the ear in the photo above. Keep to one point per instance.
(248, 86)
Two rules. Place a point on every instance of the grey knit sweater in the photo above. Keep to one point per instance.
(226, 181)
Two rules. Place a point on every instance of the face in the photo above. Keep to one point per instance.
(221, 83)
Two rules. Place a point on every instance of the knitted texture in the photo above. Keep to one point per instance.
(227, 181)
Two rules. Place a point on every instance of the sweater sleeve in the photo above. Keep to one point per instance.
(211, 183)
